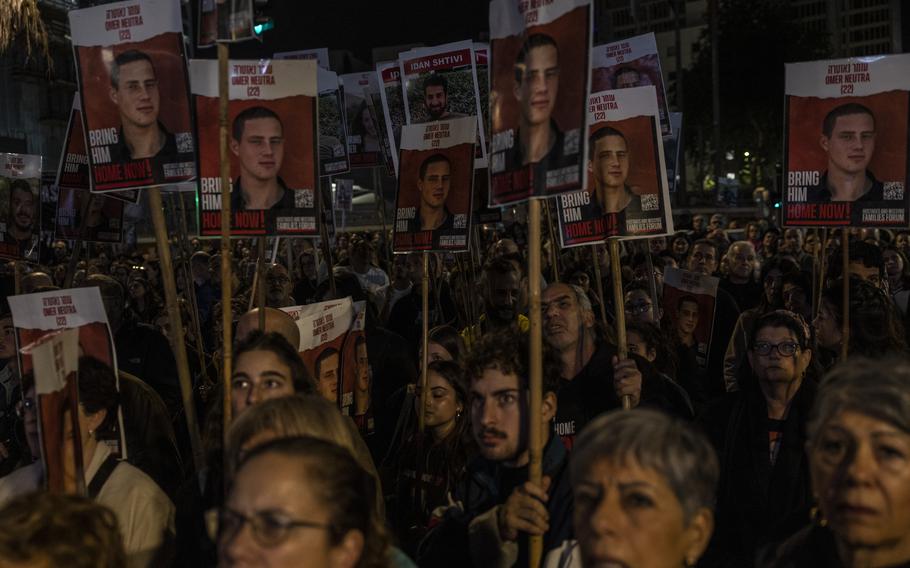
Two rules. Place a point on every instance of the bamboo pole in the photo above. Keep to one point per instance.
(845, 330)
(598, 275)
(173, 313)
(77, 245)
(324, 237)
(535, 469)
(226, 319)
(554, 258)
(621, 345)
(424, 352)
(260, 290)
(652, 281)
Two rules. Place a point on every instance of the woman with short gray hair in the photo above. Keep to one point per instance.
(859, 459)
(643, 485)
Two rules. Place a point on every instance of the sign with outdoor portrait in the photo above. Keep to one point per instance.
(540, 76)
(20, 182)
(364, 147)
(131, 69)
(689, 299)
(388, 75)
(846, 142)
(273, 135)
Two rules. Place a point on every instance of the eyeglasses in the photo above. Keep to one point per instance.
(268, 530)
(638, 307)
(785, 348)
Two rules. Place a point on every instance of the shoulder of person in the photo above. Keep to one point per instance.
(130, 486)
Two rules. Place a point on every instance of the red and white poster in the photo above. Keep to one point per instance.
(433, 208)
(631, 62)
(540, 78)
(627, 194)
(273, 135)
(357, 373)
(846, 143)
(20, 223)
(364, 147)
(689, 300)
(440, 83)
(132, 77)
(388, 75)
(333, 136)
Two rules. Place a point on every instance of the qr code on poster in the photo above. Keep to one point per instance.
(184, 142)
(303, 198)
(894, 190)
(460, 221)
(649, 202)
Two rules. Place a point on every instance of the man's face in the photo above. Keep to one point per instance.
(278, 283)
(363, 367)
(434, 186)
(562, 316)
(742, 260)
(793, 241)
(687, 317)
(413, 267)
(260, 148)
(626, 79)
(851, 144)
(540, 82)
(434, 97)
(23, 209)
(703, 258)
(698, 223)
(611, 162)
(327, 382)
(137, 94)
(496, 415)
(308, 265)
(871, 274)
(716, 222)
(502, 297)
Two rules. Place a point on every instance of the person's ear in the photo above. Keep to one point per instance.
(697, 535)
(235, 147)
(347, 553)
(805, 357)
(114, 95)
(823, 142)
(548, 407)
(96, 420)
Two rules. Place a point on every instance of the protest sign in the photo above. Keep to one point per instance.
(689, 300)
(363, 128)
(20, 182)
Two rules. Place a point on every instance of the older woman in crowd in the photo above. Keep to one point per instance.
(643, 485)
(759, 434)
(859, 456)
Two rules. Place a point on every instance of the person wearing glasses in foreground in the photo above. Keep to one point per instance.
(301, 501)
(643, 485)
(859, 459)
(759, 433)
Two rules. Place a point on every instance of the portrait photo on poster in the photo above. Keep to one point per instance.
(132, 75)
(846, 142)
(388, 76)
(272, 146)
(363, 129)
(433, 206)
(20, 210)
(689, 300)
(538, 98)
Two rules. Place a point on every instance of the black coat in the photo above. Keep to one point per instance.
(811, 547)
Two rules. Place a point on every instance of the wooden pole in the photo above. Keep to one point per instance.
(324, 237)
(424, 352)
(554, 258)
(823, 267)
(188, 283)
(815, 265)
(173, 313)
(260, 290)
(226, 319)
(77, 245)
(535, 449)
(652, 282)
(598, 276)
(619, 310)
(845, 330)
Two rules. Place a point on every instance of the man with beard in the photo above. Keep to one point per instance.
(592, 378)
(501, 288)
(436, 98)
(499, 507)
(21, 220)
(278, 287)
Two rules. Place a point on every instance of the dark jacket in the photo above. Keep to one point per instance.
(462, 538)
(757, 501)
(810, 547)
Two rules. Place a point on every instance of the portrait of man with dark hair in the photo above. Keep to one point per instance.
(436, 98)
(608, 165)
(134, 89)
(626, 77)
(257, 141)
(848, 139)
(22, 216)
(328, 365)
(433, 185)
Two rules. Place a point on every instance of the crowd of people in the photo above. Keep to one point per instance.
(782, 441)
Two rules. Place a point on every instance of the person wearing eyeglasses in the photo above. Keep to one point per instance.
(301, 501)
(760, 436)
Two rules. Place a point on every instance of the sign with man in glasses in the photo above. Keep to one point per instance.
(689, 302)
(538, 94)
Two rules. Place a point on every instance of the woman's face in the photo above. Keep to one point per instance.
(775, 366)
(827, 330)
(436, 352)
(270, 492)
(137, 289)
(860, 469)
(639, 307)
(752, 232)
(442, 403)
(680, 246)
(259, 376)
(627, 515)
(894, 265)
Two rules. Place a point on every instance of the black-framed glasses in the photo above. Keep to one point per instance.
(785, 348)
(269, 528)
